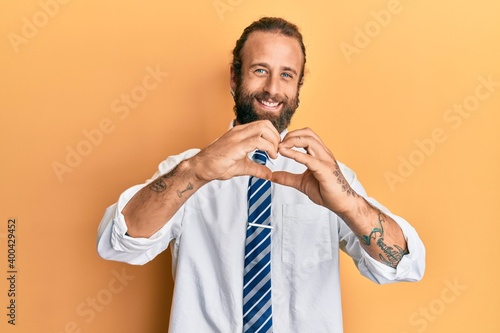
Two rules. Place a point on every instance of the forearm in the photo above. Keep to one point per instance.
(156, 203)
(378, 233)
(225, 158)
(324, 183)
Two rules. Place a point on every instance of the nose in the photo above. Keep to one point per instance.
(272, 85)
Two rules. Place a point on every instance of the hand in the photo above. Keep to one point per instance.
(227, 157)
(323, 181)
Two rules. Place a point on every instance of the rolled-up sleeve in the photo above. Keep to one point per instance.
(113, 243)
(410, 268)
(412, 265)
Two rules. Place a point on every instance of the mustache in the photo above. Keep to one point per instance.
(265, 96)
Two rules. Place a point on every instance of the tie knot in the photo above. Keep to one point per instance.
(260, 157)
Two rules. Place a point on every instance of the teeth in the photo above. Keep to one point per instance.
(269, 103)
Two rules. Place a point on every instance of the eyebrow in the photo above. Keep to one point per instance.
(263, 64)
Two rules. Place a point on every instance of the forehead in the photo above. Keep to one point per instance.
(272, 48)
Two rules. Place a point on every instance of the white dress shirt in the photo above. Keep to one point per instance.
(207, 239)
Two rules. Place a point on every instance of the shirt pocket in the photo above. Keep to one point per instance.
(307, 236)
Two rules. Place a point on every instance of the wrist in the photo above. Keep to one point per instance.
(357, 209)
(189, 168)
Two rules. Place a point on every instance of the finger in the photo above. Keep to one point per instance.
(304, 132)
(260, 129)
(270, 134)
(270, 130)
(322, 171)
(251, 168)
(309, 161)
(259, 143)
(287, 179)
(309, 143)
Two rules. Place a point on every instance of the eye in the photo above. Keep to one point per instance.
(260, 71)
(287, 75)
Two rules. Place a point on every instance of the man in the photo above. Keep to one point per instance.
(198, 203)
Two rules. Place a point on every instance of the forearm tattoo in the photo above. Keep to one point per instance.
(343, 182)
(162, 182)
(188, 188)
(391, 255)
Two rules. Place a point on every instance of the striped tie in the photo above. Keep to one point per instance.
(257, 310)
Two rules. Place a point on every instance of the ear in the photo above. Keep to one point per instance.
(232, 79)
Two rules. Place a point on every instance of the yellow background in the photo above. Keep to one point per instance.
(60, 79)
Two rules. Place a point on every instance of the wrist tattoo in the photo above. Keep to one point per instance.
(343, 182)
(162, 182)
(391, 255)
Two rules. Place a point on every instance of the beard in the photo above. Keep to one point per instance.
(246, 113)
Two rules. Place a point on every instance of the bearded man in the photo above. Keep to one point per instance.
(256, 219)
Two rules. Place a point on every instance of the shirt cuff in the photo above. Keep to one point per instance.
(412, 265)
(120, 241)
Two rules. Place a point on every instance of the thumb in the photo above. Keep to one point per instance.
(257, 170)
(287, 179)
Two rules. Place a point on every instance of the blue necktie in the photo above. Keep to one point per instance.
(257, 309)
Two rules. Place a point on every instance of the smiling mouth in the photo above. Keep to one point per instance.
(268, 104)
